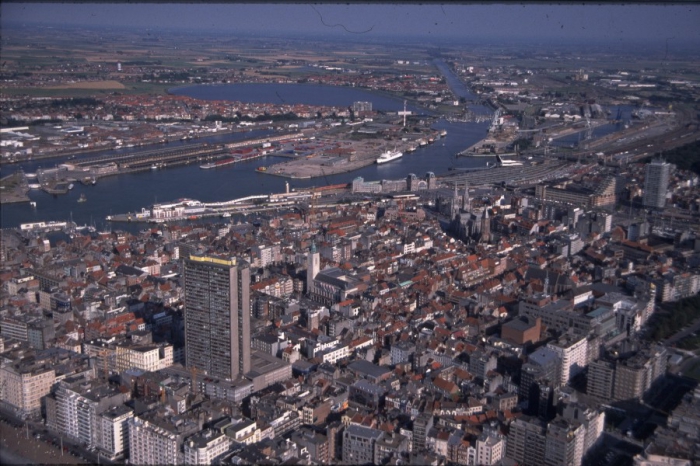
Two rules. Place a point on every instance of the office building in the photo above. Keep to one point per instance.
(656, 183)
(217, 316)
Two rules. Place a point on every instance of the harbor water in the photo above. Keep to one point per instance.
(131, 193)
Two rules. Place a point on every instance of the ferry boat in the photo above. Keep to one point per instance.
(389, 155)
(507, 163)
(219, 163)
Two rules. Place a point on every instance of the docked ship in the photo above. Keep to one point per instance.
(389, 155)
(219, 163)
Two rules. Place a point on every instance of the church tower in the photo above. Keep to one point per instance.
(455, 205)
(466, 202)
(312, 268)
(485, 226)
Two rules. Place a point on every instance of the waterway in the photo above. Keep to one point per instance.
(310, 94)
(573, 140)
(130, 193)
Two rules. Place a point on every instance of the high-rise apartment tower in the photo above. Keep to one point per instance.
(217, 316)
(656, 183)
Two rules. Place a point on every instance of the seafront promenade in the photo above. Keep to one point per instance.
(17, 446)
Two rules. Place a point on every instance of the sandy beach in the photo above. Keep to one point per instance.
(16, 448)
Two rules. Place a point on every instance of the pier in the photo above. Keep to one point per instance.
(155, 157)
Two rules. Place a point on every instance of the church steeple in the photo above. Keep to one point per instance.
(485, 226)
(455, 206)
(466, 202)
(313, 266)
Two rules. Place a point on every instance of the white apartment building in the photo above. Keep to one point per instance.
(149, 358)
(573, 351)
(79, 404)
(244, 431)
(113, 441)
(206, 447)
(334, 354)
(489, 450)
(157, 438)
(23, 386)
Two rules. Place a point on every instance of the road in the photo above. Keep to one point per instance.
(692, 328)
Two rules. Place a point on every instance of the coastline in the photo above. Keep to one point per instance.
(16, 448)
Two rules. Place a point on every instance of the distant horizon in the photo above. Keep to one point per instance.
(678, 47)
(614, 24)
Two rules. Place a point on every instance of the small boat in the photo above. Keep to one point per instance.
(262, 169)
(226, 215)
(33, 204)
(154, 167)
(71, 186)
(82, 198)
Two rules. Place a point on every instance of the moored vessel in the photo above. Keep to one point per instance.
(389, 155)
(219, 163)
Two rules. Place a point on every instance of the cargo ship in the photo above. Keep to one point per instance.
(389, 155)
(219, 163)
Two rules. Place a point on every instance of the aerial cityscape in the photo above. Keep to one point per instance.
(381, 234)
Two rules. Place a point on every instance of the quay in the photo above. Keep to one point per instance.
(190, 209)
(511, 175)
(157, 156)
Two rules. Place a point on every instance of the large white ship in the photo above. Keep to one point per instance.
(389, 155)
(507, 163)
